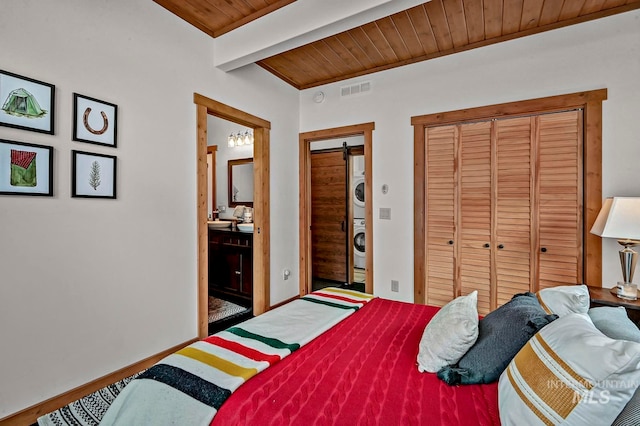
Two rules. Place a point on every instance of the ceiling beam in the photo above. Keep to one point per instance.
(297, 24)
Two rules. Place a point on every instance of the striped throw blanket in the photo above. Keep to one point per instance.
(189, 386)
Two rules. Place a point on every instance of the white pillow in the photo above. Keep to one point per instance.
(566, 299)
(569, 373)
(449, 334)
(614, 322)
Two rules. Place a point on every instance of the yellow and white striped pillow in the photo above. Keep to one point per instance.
(569, 373)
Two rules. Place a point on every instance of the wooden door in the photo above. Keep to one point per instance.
(475, 213)
(440, 209)
(329, 216)
(513, 194)
(503, 202)
(560, 199)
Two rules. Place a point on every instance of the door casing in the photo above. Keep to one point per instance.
(305, 139)
(590, 102)
(261, 203)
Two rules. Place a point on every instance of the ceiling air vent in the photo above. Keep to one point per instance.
(354, 89)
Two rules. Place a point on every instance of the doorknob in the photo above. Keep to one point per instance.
(501, 246)
(543, 249)
(487, 245)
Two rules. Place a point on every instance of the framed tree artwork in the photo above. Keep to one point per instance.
(26, 103)
(94, 121)
(25, 169)
(93, 175)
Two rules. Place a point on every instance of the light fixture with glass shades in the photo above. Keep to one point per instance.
(619, 218)
(239, 139)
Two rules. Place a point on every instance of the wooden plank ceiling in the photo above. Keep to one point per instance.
(430, 30)
(217, 17)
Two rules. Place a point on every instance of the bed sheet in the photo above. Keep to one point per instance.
(363, 371)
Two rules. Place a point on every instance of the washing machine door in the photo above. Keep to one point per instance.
(359, 247)
(358, 243)
(358, 192)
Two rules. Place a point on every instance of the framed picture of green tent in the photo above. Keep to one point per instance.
(25, 169)
(93, 175)
(26, 103)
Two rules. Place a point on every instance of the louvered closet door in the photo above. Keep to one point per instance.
(474, 201)
(513, 207)
(560, 198)
(440, 211)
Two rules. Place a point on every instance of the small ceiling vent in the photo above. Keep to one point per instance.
(355, 89)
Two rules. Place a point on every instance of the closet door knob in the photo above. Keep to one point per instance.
(501, 246)
(450, 242)
(543, 249)
(487, 245)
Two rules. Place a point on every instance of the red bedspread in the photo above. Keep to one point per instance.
(361, 372)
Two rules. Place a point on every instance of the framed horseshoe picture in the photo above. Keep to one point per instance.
(94, 121)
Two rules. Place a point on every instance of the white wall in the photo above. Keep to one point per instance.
(218, 131)
(337, 143)
(90, 286)
(592, 55)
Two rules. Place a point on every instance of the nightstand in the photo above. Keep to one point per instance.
(604, 297)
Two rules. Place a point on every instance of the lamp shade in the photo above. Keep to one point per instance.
(239, 140)
(248, 139)
(619, 218)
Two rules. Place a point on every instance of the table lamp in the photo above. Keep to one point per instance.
(619, 218)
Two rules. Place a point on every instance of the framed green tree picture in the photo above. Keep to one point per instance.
(93, 176)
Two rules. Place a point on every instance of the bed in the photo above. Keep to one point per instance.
(339, 357)
(360, 370)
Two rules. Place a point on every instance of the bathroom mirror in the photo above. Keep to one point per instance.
(241, 182)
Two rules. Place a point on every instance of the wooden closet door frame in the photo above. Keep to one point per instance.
(589, 101)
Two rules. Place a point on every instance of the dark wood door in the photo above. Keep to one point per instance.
(329, 216)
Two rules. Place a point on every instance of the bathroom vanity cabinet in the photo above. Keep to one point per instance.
(231, 265)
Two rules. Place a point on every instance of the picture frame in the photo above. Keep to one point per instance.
(26, 103)
(25, 169)
(93, 175)
(95, 121)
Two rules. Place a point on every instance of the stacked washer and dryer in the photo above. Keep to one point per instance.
(357, 187)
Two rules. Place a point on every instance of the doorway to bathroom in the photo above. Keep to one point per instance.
(261, 204)
(229, 200)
